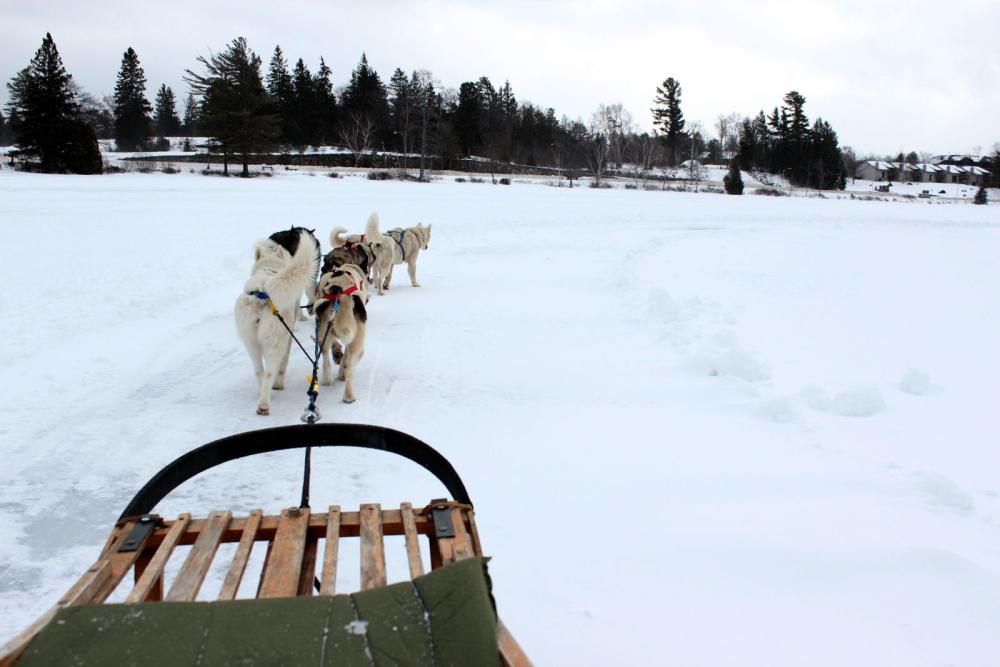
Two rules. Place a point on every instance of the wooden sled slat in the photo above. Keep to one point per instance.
(119, 563)
(188, 582)
(308, 573)
(328, 584)
(372, 547)
(511, 653)
(234, 575)
(150, 583)
(412, 542)
(281, 574)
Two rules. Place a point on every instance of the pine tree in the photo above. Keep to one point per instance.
(667, 115)
(167, 122)
(427, 107)
(466, 117)
(279, 87)
(733, 180)
(191, 113)
(44, 115)
(401, 110)
(236, 109)
(304, 115)
(981, 197)
(3, 130)
(326, 103)
(131, 108)
(365, 98)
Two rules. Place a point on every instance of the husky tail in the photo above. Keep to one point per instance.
(337, 237)
(371, 228)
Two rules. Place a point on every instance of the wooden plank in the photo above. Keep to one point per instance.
(477, 546)
(412, 543)
(328, 584)
(462, 545)
(308, 574)
(372, 547)
(281, 577)
(263, 569)
(234, 575)
(511, 653)
(199, 560)
(150, 584)
(350, 524)
(119, 562)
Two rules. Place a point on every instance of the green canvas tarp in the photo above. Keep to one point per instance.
(442, 618)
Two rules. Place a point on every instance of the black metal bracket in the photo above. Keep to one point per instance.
(441, 516)
(141, 530)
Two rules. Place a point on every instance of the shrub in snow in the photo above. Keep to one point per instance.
(379, 176)
(981, 196)
(770, 192)
(733, 181)
(504, 181)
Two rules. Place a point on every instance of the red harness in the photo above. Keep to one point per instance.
(347, 292)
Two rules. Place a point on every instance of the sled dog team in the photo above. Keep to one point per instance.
(287, 265)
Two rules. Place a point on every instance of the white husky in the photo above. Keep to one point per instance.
(284, 266)
(405, 245)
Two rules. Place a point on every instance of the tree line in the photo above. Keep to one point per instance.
(245, 109)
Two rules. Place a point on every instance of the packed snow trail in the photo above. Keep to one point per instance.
(767, 426)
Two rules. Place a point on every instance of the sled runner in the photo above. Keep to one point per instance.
(297, 615)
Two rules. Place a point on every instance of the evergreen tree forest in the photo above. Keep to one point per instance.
(243, 107)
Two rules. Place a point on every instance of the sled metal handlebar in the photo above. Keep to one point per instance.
(294, 437)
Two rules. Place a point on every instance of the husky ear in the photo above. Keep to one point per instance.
(256, 254)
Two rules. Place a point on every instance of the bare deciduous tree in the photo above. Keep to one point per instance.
(615, 123)
(357, 133)
(648, 152)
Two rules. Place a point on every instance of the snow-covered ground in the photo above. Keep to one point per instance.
(698, 429)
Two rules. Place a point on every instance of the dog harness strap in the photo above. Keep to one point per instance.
(399, 241)
(347, 292)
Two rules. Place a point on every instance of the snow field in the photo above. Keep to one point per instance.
(698, 429)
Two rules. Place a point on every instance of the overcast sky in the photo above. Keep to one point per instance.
(889, 75)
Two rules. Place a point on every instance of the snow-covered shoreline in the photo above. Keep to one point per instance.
(769, 424)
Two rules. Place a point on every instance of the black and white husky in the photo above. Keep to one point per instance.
(285, 265)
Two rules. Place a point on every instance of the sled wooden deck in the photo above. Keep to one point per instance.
(295, 560)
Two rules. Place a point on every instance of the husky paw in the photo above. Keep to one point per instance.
(349, 399)
(278, 385)
(326, 382)
(263, 411)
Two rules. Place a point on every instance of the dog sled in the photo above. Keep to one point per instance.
(295, 615)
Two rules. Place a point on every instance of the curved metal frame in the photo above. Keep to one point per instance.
(294, 437)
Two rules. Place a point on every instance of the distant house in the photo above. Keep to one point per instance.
(984, 161)
(949, 173)
(902, 171)
(975, 175)
(925, 172)
(873, 170)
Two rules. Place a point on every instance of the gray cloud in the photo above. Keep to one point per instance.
(889, 76)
